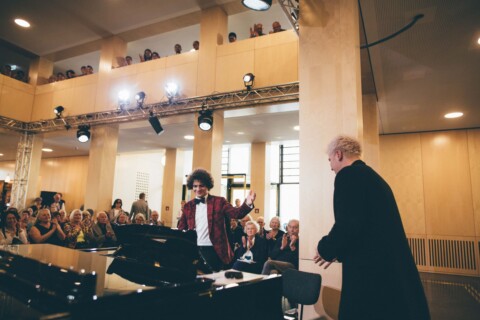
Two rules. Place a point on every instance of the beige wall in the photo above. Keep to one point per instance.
(16, 99)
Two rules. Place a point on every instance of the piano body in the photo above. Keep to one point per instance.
(154, 273)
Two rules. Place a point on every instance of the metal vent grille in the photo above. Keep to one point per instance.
(417, 246)
(453, 254)
(142, 183)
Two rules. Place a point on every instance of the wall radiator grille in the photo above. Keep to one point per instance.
(417, 245)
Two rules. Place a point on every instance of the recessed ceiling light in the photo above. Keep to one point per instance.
(296, 128)
(22, 23)
(188, 137)
(452, 115)
(478, 41)
(1, 154)
(240, 132)
(47, 150)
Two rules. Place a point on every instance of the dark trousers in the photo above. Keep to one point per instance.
(211, 258)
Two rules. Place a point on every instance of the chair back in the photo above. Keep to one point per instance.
(301, 287)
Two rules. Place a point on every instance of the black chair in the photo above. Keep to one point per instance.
(301, 287)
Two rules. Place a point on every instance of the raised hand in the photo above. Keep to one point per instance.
(250, 197)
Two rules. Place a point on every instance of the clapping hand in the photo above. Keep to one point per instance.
(293, 240)
(284, 241)
(244, 241)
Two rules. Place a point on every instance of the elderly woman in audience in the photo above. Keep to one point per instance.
(140, 218)
(252, 254)
(274, 233)
(155, 219)
(86, 218)
(121, 220)
(78, 234)
(261, 225)
(116, 210)
(11, 233)
(103, 231)
(46, 229)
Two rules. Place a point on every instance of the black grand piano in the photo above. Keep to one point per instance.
(156, 272)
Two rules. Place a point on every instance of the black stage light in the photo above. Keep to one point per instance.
(205, 120)
(248, 80)
(83, 133)
(58, 111)
(257, 5)
(153, 119)
(140, 98)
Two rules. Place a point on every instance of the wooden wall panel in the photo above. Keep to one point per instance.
(16, 99)
(42, 106)
(185, 75)
(67, 175)
(231, 68)
(447, 187)
(401, 167)
(474, 155)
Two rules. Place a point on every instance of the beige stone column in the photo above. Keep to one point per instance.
(40, 70)
(101, 167)
(112, 48)
(207, 150)
(213, 32)
(259, 178)
(172, 186)
(330, 104)
(371, 139)
(33, 186)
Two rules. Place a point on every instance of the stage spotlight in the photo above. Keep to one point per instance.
(83, 133)
(58, 111)
(123, 98)
(248, 81)
(140, 98)
(171, 90)
(153, 119)
(205, 120)
(257, 5)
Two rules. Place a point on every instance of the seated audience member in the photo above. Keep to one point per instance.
(252, 254)
(60, 76)
(244, 220)
(37, 205)
(155, 55)
(46, 229)
(236, 232)
(87, 218)
(78, 235)
(238, 203)
(52, 79)
(196, 45)
(140, 218)
(26, 220)
(89, 69)
(70, 74)
(83, 70)
(147, 55)
(11, 232)
(116, 210)
(274, 234)
(261, 227)
(128, 60)
(62, 217)
(276, 27)
(256, 31)
(285, 253)
(155, 219)
(232, 37)
(103, 231)
(178, 49)
(121, 220)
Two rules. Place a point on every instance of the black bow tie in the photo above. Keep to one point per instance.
(198, 200)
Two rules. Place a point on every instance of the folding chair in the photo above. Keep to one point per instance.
(301, 287)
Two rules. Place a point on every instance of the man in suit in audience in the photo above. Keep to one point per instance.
(206, 214)
(140, 206)
(380, 278)
(284, 254)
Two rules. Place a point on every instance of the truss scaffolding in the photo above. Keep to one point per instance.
(22, 170)
(291, 8)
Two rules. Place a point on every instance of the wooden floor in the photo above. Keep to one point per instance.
(452, 297)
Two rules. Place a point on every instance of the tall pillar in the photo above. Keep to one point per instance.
(213, 32)
(27, 170)
(172, 186)
(371, 138)
(330, 104)
(40, 70)
(207, 149)
(259, 178)
(101, 167)
(112, 48)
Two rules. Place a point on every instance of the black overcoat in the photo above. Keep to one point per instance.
(380, 278)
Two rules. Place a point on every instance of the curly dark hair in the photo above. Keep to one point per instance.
(201, 175)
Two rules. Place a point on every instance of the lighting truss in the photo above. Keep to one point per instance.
(291, 8)
(288, 92)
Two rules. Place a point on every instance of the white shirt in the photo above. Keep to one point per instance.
(201, 224)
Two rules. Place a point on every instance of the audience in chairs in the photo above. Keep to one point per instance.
(252, 254)
(78, 233)
(46, 229)
(284, 254)
(274, 233)
(103, 231)
(10, 232)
